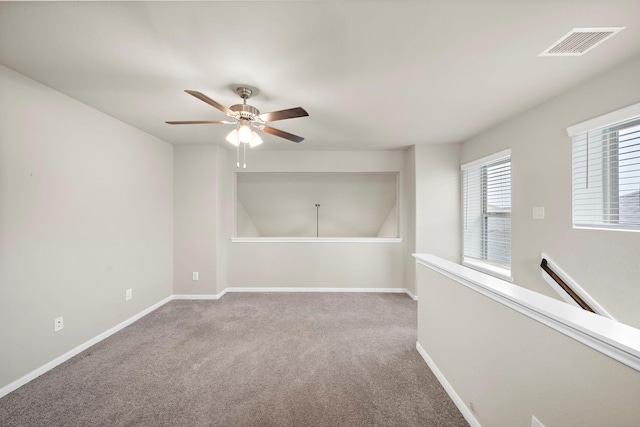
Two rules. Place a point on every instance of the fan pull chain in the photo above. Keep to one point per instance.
(244, 156)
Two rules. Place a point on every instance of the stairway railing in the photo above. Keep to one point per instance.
(568, 289)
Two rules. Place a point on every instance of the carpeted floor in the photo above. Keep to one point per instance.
(248, 359)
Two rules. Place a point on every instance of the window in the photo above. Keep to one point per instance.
(486, 204)
(606, 176)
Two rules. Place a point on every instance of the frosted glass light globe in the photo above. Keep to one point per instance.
(245, 134)
(233, 137)
(255, 141)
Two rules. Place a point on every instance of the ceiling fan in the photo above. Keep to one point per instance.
(246, 117)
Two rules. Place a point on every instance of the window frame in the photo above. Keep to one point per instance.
(607, 129)
(497, 269)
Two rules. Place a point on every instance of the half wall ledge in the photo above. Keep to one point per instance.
(614, 339)
(316, 239)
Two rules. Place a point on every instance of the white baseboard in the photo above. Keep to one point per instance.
(82, 347)
(466, 412)
(190, 297)
(300, 289)
(292, 289)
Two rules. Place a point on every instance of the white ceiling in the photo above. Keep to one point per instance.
(371, 74)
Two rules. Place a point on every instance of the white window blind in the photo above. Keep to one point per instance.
(487, 210)
(606, 176)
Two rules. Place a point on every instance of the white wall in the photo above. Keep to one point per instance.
(195, 216)
(605, 263)
(86, 212)
(370, 265)
(244, 225)
(432, 186)
(507, 366)
(389, 227)
(408, 225)
(224, 223)
(438, 200)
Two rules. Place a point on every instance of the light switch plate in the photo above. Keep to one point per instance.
(196, 275)
(538, 213)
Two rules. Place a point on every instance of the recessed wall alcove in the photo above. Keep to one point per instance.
(283, 205)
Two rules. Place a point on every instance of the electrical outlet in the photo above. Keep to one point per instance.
(196, 275)
(58, 324)
(128, 294)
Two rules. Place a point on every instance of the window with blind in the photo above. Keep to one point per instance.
(486, 204)
(606, 176)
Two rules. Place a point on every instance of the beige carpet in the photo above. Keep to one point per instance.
(294, 359)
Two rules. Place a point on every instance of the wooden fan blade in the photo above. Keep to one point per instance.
(205, 98)
(200, 122)
(283, 134)
(291, 113)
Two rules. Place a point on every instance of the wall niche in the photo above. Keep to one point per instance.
(283, 204)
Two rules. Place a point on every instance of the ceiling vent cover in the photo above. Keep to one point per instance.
(579, 41)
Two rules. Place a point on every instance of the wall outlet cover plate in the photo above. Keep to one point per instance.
(58, 324)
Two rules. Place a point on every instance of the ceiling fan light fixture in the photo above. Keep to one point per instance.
(255, 141)
(246, 117)
(233, 137)
(244, 133)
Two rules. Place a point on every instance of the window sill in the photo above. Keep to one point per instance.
(490, 269)
(316, 239)
(607, 228)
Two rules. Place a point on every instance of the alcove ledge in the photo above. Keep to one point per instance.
(317, 239)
